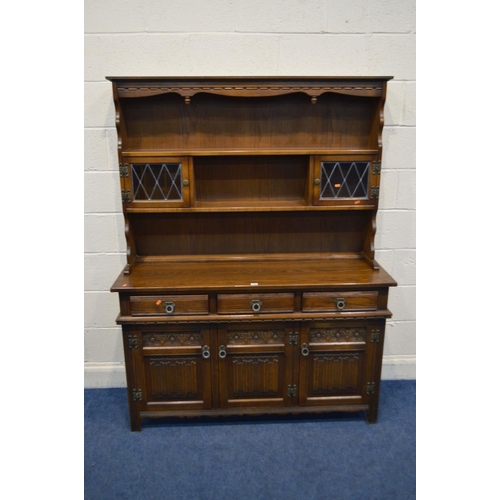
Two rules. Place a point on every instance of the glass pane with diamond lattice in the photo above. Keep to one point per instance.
(344, 179)
(157, 181)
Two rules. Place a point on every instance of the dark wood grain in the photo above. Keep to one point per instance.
(256, 124)
(241, 303)
(142, 305)
(242, 179)
(268, 275)
(327, 301)
(227, 233)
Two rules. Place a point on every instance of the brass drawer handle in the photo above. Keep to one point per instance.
(205, 352)
(222, 352)
(256, 305)
(169, 307)
(340, 303)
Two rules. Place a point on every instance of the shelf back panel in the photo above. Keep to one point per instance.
(199, 234)
(250, 178)
(289, 121)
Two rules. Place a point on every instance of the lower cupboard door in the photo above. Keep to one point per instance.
(176, 369)
(334, 362)
(254, 366)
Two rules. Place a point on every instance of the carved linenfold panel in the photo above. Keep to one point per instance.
(255, 376)
(255, 360)
(329, 335)
(335, 373)
(171, 339)
(255, 337)
(173, 378)
(320, 358)
(171, 361)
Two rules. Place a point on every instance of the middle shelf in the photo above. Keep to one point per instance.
(245, 179)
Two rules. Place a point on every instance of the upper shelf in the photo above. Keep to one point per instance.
(221, 123)
(133, 153)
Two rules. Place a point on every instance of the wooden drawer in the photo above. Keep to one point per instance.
(255, 303)
(168, 305)
(339, 301)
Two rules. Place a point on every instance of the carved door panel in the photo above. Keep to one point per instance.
(335, 363)
(175, 370)
(255, 365)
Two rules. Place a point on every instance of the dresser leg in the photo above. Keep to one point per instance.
(135, 420)
(135, 423)
(372, 414)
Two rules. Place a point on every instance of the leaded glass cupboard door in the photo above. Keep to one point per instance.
(156, 182)
(346, 180)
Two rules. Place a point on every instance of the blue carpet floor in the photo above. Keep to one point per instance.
(331, 457)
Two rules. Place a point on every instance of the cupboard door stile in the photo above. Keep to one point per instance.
(134, 373)
(214, 365)
(375, 348)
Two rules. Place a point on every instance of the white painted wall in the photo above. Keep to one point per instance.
(231, 38)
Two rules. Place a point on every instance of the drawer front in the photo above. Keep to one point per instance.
(339, 301)
(168, 305)
(255, 303)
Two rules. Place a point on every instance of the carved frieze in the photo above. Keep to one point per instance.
(255, 337)
(187, 91)
(171, 339)
(255, 360)
(329, 335)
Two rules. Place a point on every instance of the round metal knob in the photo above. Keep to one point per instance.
(304, 349)
(185, 182)
(316, 181)
(205, 352)
(222, 352)
(340, 303)
(256, 305)
(169, 307)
